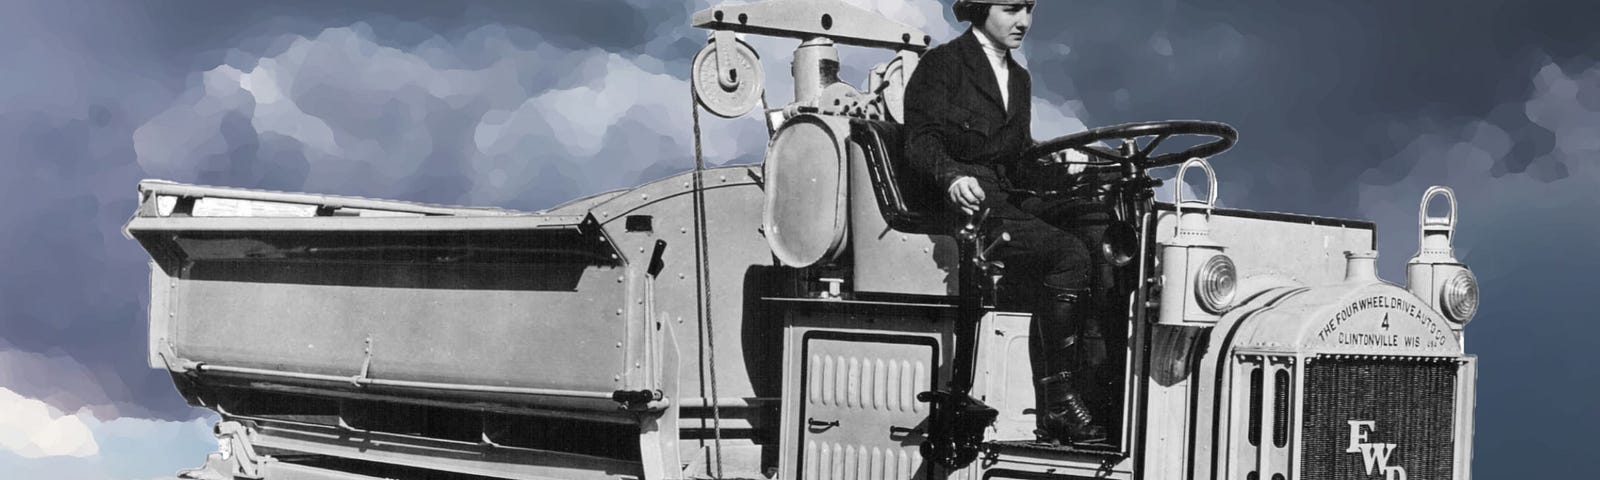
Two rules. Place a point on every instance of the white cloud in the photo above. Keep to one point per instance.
(278, 114)
(171, 143)
(32, 429)
(1053, 120)
(342, 110)
(578, 118)
(39, 441)
(99, 438)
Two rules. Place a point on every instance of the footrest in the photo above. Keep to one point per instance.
(1106, 450)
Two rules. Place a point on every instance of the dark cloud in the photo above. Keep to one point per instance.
(1345, 108)
(1315, 89)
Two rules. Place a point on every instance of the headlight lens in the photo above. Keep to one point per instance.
(1460, 297)
(1215, 284)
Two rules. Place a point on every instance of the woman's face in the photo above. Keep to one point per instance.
(1007, 24)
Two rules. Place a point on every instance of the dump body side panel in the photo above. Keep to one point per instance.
(525, 315)
(457, 303)
(503, 325)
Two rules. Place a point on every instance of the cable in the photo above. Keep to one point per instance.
(702, 279)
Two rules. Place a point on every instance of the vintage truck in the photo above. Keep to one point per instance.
(813, 317)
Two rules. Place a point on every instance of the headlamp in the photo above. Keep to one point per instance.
(1459, 296)
(1216, 283)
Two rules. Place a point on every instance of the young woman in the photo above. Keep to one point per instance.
(967, 105)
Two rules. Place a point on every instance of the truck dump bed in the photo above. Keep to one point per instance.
(324, 291)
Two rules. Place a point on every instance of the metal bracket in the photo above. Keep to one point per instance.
(366, 365)
(174, 363)
(641, 400)
(236, 455)
(806, 19)
(727, 63)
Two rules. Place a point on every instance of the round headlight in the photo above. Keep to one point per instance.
(1215, 284)
(1460, 297)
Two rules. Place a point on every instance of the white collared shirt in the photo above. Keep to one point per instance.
(997, 63)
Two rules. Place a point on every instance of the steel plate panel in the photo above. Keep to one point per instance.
(541, 326)
(853, 388)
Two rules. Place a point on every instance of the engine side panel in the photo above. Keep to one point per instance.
(1308, 250)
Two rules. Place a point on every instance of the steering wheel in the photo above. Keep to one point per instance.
(1223, 137)
(1037, 162)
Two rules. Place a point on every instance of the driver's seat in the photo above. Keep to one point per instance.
(902, 239)
(909, 202)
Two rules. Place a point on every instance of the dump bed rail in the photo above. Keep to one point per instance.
(150, 190)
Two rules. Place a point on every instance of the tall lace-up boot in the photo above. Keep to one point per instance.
(1066, 418)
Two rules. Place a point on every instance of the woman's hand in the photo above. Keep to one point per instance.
(964, 192)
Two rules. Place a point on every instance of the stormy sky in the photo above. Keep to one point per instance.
(1346, 109)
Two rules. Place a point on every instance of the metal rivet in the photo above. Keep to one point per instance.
(619, 312)
(619, 344)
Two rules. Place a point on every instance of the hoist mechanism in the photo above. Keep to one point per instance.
(727, 73)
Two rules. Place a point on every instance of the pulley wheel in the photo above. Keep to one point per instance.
(747, 79)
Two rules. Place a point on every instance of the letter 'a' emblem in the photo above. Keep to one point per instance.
(1374, 456)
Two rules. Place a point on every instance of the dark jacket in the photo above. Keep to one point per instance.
(955, 120)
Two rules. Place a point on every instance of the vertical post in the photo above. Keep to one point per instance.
(815, 67)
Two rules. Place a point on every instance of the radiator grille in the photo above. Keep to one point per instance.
(1410, 403)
